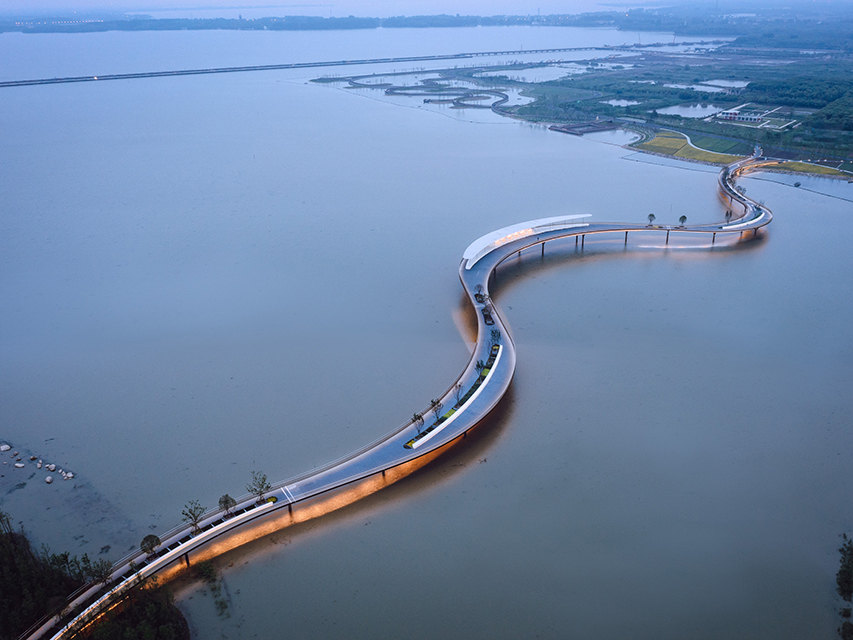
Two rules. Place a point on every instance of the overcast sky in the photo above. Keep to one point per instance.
(259, 8)
(376, 8)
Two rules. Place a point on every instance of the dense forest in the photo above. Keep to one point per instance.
(31, 583)
(798, 92)
(844, 580)
(832, 98)
(34, 584)
(148, 613)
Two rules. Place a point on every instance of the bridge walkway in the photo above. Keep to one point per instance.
(396, 449)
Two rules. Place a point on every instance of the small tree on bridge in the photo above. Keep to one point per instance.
(193, 511)
(457, 391)
(226, 503)
(418, 421)
(496, 336)
(651, 218)
(259, 485)
(436, 406)
(149, 544)
(101, 570)
(682, 220)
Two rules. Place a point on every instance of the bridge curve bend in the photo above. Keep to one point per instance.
(472, 396)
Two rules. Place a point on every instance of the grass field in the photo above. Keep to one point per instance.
(707, 149)
(717, 145)
(693, 153)
(676, 144)
(804, 167)
(664, 142)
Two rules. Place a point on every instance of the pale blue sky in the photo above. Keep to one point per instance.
(379, 8)
(258, 8)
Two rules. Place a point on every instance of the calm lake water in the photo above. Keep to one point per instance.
(691, 111)
(208, 275)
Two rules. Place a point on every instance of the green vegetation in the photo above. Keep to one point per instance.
(806, 100)
(259, 485)
(457, 391)
(832, 35)
(672, 143)
(193, 511)
(101, 570)
(33, 584)
(483, 369)
(798, 92)
(207, 572)
(149, 544)
(795, 62)
(837, 115)
(667, 142)
(844, 578)
(844, 582)
(824, 26)
(147, 613)
(226, 503)
(804, 167)
(436, 405)
(722, 145)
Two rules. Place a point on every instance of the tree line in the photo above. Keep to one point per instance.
(33, 583)
(844, 580)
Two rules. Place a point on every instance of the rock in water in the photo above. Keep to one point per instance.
(49, 479)
(19, 465)
(4, 447)
(51, 467)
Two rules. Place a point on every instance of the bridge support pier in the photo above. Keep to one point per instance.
(626, 237)
(667, 236)
(754, 232)
(714, 237)
(583, 239)
(576, 241)
(290, 508)
(543, 249)
(187, 558)
(383, 473)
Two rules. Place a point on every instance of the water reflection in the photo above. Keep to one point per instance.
(560, 253)
(691, 111)
(399, 485)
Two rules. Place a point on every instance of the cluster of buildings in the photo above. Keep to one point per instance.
(740, 114)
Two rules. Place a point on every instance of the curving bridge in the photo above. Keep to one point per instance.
(472, 396)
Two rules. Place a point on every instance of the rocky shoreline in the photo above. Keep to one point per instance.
(20, 461)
